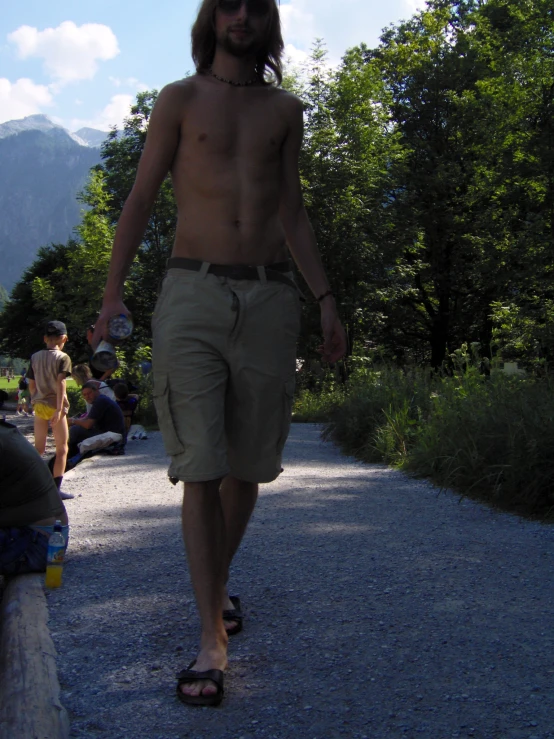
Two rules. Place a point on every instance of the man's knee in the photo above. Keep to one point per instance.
(230, 482)
(205, 487)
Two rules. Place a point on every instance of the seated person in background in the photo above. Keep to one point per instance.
(128, 403)
(104, 415)
(29, 505)
(81, 373)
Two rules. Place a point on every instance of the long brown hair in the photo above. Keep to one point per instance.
(269, 57)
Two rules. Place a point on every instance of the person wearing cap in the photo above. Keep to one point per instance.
(47, 375)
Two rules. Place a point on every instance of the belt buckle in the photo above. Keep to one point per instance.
(236, 272)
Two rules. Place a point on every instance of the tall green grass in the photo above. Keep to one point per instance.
(490, 438)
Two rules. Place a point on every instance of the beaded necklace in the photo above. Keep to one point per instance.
(232, 82)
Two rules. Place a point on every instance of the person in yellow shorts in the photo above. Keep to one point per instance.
(47, 375)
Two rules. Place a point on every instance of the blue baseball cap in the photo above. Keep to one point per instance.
(55, 328)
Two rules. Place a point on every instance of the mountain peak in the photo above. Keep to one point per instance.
(91, 136)
(38, 122)
(43, 168)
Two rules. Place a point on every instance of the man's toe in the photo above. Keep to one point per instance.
(204, 687)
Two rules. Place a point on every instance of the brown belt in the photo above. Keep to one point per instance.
(236, 271)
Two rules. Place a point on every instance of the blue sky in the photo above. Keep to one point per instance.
(83, 63)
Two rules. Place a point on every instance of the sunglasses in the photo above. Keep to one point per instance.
(256, 8)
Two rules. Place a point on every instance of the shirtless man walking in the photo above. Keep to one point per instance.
(228, 316)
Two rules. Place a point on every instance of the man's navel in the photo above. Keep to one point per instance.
(203, 137)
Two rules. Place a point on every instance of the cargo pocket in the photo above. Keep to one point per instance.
(172, 443)
(288, 400)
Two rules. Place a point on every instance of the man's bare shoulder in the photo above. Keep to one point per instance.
(180, 91)
(287, 106)
(287, 99)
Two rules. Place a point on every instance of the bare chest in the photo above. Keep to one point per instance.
(227, 129)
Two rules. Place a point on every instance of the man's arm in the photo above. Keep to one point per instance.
(85, 423)
(157, 157)
(301, 238)
(108, 373)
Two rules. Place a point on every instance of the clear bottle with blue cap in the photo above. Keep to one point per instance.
(120, 327)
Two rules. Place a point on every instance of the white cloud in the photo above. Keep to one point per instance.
(131, 82)
(341, 25)
(112, 115)
(412, 6)
(69, 52)
(296, 56)
(22, 98)
(298, 21)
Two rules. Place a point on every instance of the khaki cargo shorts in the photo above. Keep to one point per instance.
(224, 361)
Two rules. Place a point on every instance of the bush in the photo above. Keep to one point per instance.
(314, 407)
(377, 419)
(146, 413)
(77, 404)
(493, 440)
(490, 438)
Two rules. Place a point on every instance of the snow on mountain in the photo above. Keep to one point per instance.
(90, 137)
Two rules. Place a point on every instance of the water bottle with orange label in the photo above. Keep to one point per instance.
(54, 557)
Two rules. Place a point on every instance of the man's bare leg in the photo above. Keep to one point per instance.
(205, 543)
(238, 499)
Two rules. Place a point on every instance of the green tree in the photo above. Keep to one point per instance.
(23, 319)
(121, 153)
(430, 72)
(470, 95)
(65, 282)
(516, 173)
(343, 168)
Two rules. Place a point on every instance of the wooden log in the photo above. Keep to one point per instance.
(30, 705)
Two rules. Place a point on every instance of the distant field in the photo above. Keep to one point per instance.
(12, 385)
(5, 385)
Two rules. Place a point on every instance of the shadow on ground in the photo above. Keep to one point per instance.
(374, 608)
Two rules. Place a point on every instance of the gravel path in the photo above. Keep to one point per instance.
(374, 608)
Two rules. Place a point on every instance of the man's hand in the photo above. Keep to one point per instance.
(109, 308)
(334, 338)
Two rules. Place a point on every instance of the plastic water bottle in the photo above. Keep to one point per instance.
(54, 557)
(120, 327)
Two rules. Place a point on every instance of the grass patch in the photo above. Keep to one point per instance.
(487, 438)
(315, 406)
